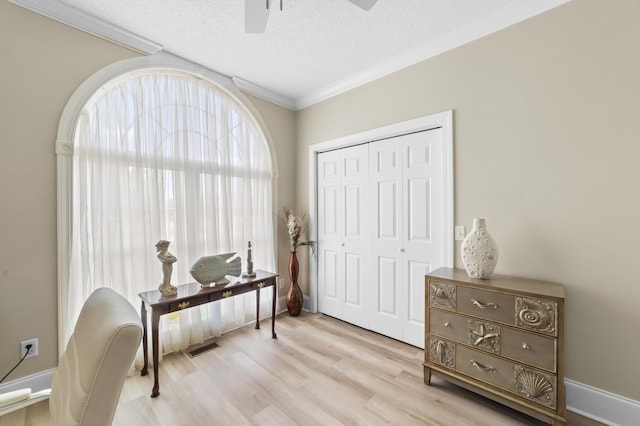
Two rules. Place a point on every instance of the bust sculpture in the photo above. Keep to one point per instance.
(167, 259)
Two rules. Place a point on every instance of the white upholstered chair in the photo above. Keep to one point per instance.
(87, 384)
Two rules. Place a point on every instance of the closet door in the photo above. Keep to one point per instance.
(343, 243)
(387, 286)
(423, 224)
(380, 230)
(329, 247)
(406, 177)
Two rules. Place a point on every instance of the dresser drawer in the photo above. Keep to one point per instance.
(448, 325)
(521, 346)
(532, 349)
(484, 367)
(486, 304)
(527, 383)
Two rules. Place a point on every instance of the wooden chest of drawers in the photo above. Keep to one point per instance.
(502, 338)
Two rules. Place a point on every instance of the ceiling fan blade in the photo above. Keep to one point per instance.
(255, 16)
(364, 4)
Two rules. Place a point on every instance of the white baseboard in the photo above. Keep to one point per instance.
(37, 382)
(306, 304)
(282, 304)
(600, 405)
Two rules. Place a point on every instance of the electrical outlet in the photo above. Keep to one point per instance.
(460, 234)
(33, 352)
(281, 284)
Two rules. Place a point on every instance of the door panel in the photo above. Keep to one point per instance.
(355, 238)
(330, 213)
(387, 210)
(343, 248)
(352, 274)
(388, 286)
(352, 211)
(423, 230)
(331, 275)
(330, 281)
(419, 211)
(414, 329)
(385, 177)
(423, 182)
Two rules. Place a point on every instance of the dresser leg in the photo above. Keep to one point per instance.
(427, 375)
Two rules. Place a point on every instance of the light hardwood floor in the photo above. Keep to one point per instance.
(320, 371)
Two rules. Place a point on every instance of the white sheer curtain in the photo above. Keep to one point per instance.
(162, 154)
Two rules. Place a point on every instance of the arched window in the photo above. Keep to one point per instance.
(161, 153)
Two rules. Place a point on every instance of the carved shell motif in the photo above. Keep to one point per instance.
(442, 352)
(539, 315)
(442, 295)
(534, 386)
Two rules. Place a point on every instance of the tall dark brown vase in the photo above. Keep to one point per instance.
(294, 295)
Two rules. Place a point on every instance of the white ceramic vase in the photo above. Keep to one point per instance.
(479, 252)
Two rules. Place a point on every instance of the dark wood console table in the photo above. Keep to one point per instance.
(192, 294)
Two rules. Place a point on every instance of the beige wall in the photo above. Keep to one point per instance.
(546, 148)
(280, 124)
(43, 62)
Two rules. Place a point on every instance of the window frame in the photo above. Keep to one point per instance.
(64, 145)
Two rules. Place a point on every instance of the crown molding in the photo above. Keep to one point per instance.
(265, 94)
(84, 22)
(100, 28)
(519, 12)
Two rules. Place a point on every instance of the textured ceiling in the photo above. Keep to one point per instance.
(307, 47)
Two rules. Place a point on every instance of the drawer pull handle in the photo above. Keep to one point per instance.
(483, 368)
(260, 285)
(227, 293)
(525, 346)
(183, 305)
(447, 324)
(484, 305)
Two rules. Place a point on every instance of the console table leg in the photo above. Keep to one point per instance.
(273, 310)
(155, 321)
(143, 317)
(258, 308)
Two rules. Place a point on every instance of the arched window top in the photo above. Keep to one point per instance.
(118, 73)
(171, 114)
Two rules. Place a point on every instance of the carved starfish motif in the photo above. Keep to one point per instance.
(482, 335)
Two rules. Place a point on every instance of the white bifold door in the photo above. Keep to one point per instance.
(343, 248)
(380, 230)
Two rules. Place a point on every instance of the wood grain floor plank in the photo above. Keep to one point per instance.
(319, 372)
